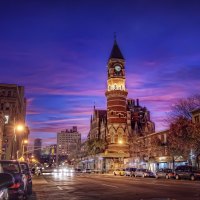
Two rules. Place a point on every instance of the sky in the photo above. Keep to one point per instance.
(59, 51)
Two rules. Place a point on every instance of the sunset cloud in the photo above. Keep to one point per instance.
(61, 58)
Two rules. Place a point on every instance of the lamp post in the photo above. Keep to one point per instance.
(16, 128)
(24, 143)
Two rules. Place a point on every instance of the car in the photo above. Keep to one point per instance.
(87, 171)
(187, 172)
(165, 173)
(144, 173)
(130, 171)
(6, 180)
(19, 188)
(120, 172)
(26, 170)
(78, 170)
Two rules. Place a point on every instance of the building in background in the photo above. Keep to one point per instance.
(37, 148)
(13, 107)
(68, 144)
(48, 154)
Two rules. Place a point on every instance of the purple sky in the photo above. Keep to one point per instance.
(59, 49)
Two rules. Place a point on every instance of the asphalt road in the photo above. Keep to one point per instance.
(109, 187)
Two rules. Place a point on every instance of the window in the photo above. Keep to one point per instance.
(196, 119)
(9, 93)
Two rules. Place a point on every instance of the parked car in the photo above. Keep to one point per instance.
(144, 173)
(120, 172)
(19, 188)
(187, 172)
(6, 180)
(26, 170)
(130, 171)
(165, 173)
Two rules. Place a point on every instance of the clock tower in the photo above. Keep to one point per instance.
(116, 94)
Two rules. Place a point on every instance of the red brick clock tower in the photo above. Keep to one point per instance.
(116, 93)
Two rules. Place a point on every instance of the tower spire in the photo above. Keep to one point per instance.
(116, 52)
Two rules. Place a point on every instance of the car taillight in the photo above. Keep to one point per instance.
(15, 185)
(29, 177)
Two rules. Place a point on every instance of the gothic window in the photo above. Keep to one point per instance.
(115, 87)
(116, 138)
(124, 138)
(112, 138)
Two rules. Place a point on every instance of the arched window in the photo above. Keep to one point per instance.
(112, 138)
(116, 138)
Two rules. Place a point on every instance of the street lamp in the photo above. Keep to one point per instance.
(19, 127)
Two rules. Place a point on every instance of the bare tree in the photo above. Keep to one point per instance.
(183, 108)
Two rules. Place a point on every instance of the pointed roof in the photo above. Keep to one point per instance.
(116, 53)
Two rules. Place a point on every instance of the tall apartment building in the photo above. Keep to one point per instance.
(37, 148)
(68, 143)
(13, 107)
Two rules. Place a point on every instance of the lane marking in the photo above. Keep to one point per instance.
(110, 185)
(59, 188)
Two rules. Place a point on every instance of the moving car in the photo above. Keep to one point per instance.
(130, 171)
(120, 172)
(144, 173)
(187, 172)
(6, 180)
(87, 171)
(19, 188)
(26, 170)
(165, 173)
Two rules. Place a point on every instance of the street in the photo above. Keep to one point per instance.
(94, 186)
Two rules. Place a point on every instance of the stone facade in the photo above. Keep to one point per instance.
(13, 107)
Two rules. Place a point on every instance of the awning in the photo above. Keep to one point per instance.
(115, 155)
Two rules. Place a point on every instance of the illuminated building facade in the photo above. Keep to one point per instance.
(68, 143)
(13, 107)
(121, 121)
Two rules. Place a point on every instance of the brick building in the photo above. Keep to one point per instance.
(120, 122)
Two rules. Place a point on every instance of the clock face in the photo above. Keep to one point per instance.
(117, 68)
